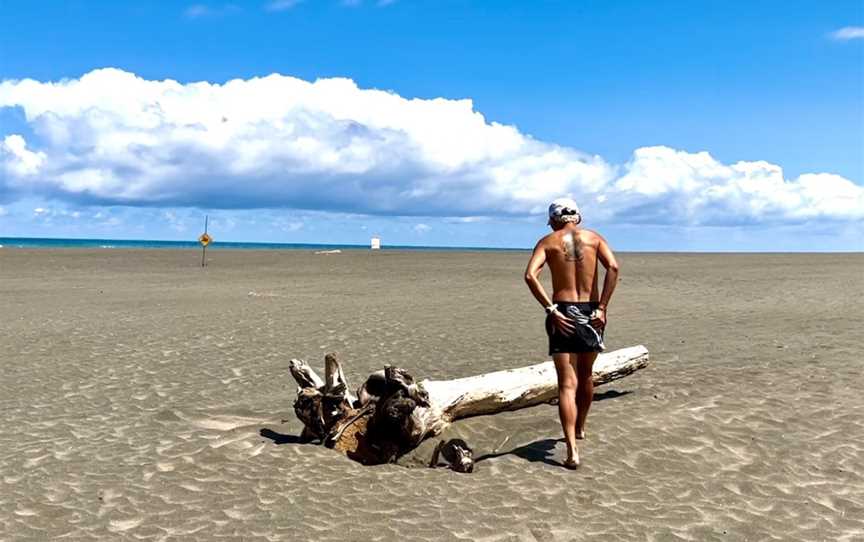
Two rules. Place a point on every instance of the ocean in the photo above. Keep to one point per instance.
(43, 242)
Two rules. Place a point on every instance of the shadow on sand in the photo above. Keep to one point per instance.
(539, 451)
(610, 394)
(542, 451)
(279, 438)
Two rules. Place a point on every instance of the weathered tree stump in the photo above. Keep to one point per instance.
(391, 414)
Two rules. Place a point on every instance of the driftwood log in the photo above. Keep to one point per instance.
(391, 414)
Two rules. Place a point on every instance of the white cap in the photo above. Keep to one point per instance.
(563, 207)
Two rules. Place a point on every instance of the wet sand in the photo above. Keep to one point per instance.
(136, 387)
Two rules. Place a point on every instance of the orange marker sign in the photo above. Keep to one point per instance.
(205, 240)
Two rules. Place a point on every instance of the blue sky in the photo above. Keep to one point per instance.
(671, 121)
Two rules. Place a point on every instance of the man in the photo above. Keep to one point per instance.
(576, 315)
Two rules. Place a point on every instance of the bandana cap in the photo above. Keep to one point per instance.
(562, 207)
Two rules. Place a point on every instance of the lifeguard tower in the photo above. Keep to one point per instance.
(375, 244)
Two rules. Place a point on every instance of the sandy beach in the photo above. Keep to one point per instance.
(145, 398)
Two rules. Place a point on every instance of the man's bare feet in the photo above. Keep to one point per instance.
(572, 461)
(580, 435)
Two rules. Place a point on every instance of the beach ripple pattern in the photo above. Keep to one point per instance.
(145, 398)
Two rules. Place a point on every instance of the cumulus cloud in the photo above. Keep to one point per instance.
(281, 5)
(175, 222)
(17, 160)
(467, 219)
(113, 138)
(197, 11)
(848, 33)
(358, 3)
(290, 226)
(697, 189)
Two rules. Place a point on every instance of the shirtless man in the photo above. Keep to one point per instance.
(576, 315)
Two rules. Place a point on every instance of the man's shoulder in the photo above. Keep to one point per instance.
(591, 234)
(546, 239)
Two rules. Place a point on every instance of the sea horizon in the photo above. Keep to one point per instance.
(77, 242)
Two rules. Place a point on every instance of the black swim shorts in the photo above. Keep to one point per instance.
(585, 338)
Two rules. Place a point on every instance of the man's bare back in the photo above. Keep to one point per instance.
(571, 254)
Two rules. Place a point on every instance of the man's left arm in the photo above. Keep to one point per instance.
(607, 258)
(532, 278)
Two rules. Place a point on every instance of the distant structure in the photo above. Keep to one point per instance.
(376, 243)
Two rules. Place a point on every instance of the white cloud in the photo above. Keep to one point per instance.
(358, 3)
(113, 138)
(422, 228)
(695, 188)
(17, 160)
(287, 225)
(174, 221)
(197, 11)
(3, 211)
(282, 5)
(467, 219)
(223, 224)
(848, 33)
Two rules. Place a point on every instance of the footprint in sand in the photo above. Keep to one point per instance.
(26, 512)
(219, 422)
(237, 441)
(164, 467)
(118, 526)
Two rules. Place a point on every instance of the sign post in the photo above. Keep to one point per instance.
(205, 240)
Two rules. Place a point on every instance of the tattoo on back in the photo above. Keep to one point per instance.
(572, 248)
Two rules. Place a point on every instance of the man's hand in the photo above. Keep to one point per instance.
(598, 318)
(561, 323)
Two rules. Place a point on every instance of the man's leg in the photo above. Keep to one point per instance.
(567, 403)
(584, 390)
